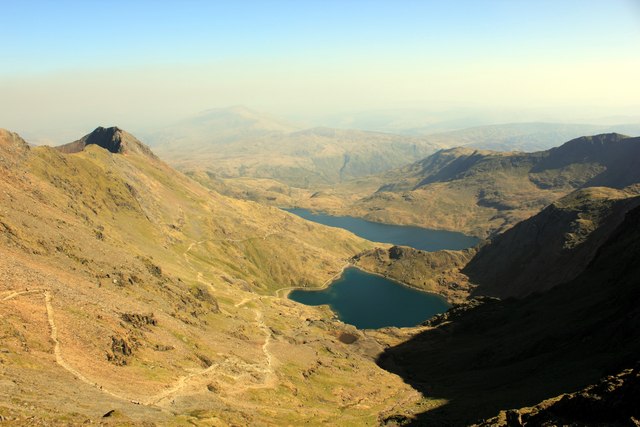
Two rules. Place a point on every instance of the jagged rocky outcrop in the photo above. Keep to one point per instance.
(13, 149)
(139, 320)
(113, 139)
(457, 311)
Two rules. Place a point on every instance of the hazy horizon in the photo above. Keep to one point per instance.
(71, 66)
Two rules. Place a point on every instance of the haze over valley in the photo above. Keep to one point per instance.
(320, 213)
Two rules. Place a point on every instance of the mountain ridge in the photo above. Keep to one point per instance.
(484, 192)
(146, 296)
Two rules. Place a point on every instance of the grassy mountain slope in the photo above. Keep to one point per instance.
(437, 272)
(135, 290)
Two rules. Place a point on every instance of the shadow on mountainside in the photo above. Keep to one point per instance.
(516, 353)
(550, 248)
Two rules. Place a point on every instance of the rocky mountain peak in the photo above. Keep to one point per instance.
(108, 138)
(12, 140)
(113, 139)
(12, 148)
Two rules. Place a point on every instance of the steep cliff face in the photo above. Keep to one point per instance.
(515, 353)
(551, 247)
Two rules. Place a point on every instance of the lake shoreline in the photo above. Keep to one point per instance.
(420, 238)
(480, 236)
(406, 285)
(372, 301)
(284, 292)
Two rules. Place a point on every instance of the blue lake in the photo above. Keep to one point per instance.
(368, 301)
(404, 235)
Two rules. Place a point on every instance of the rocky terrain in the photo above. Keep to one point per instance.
(613, 401)
(551, 247)
(113, 139)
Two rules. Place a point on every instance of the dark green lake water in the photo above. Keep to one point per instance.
(368, 301)
(415, 237)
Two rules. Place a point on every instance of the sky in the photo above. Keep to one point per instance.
(68, 66)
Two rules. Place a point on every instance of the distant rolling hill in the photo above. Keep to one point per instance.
(217, 126)
(238, 142)
(531, 136)
(386, 177)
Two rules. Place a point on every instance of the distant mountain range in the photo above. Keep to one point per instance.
(518, 136)
(232, 143)
(241, 143)
(482, 192)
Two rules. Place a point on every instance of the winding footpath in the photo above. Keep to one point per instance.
(195, 378)
(56, 343)
(226, 366)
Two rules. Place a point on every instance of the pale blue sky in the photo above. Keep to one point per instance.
(71, 63)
